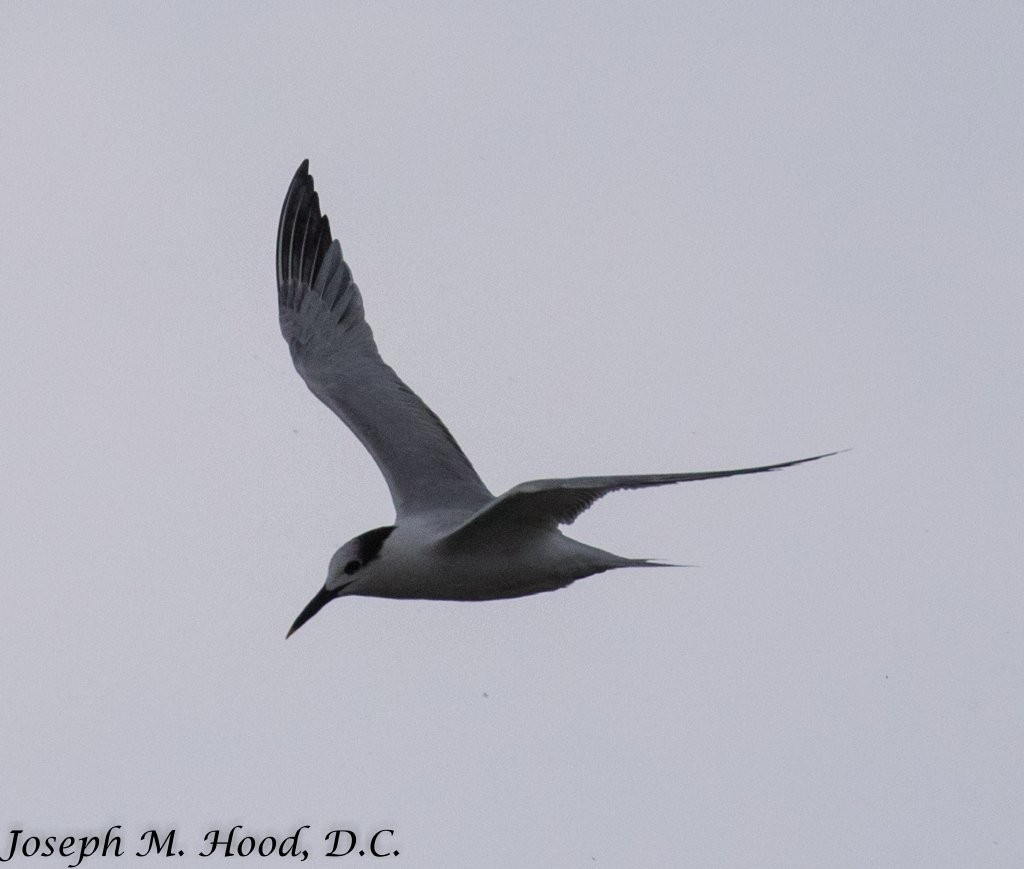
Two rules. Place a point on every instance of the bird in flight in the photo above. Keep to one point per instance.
(452, 539)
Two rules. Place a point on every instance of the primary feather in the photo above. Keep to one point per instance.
(332, 346)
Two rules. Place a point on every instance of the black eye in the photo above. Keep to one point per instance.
(352, 567)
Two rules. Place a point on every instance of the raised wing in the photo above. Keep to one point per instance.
(550, 503)
(321, 312)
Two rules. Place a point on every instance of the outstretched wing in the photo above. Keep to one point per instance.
(321, 312)
(550, 503)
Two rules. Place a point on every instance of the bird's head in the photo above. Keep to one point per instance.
(344, 571)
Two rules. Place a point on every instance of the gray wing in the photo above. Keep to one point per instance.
(550, 503)
(321, 313)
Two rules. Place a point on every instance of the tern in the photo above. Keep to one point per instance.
(452, 539)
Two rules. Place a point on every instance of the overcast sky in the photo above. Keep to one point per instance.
(595, 240)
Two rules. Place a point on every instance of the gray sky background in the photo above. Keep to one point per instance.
(595, 240)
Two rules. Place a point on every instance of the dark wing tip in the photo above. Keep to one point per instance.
(303, 234)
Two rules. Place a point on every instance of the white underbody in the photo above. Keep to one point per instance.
(416, 561)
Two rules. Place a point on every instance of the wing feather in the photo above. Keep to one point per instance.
(550, 503)
(332, 346)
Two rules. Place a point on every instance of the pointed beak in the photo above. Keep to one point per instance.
(312, 608)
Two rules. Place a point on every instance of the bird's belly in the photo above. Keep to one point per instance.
(477, 575)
